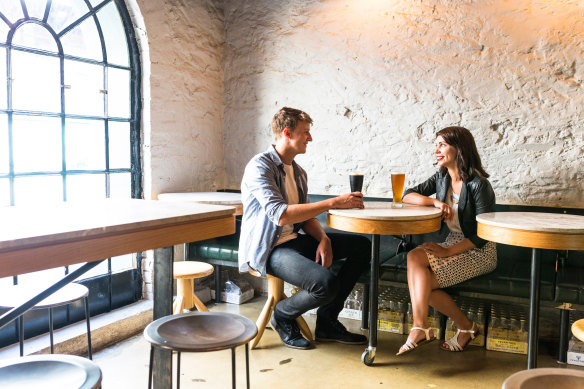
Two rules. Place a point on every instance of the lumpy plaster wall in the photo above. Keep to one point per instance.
(380, 78)
(183, 135)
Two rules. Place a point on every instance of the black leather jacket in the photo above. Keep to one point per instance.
(476, 197)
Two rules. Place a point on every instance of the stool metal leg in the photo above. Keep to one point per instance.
(247, 364)
(233, 367)
(51, 330)
(86, 301)
(21, 334)
(150, 367)
(178, 370)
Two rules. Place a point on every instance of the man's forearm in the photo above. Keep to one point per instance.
(313, 228)
(297, 213)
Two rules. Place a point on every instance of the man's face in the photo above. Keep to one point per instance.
(299, 138)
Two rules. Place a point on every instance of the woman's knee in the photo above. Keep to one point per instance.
(417, 258)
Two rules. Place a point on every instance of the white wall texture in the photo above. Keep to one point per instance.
(183, 148)
(381, 77)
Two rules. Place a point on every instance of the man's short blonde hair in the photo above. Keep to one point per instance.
(288, 118)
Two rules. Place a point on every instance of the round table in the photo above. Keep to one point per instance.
(218, 198)
(379, 218)
(536, 230)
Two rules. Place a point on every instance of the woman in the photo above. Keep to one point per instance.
(462, 192)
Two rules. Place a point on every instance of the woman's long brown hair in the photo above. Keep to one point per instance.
(467, 155)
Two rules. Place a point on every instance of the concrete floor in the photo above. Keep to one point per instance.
(329, 365)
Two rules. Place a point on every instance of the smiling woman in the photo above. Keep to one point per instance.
(69, 118)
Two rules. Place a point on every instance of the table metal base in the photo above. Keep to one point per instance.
(368, 355)
(534, 309)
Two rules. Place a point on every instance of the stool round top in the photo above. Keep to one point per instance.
(49, 371)
(17, 295)
(200, 331)
(545, 378)
(578, 329)
(535, 221)
(191, 269)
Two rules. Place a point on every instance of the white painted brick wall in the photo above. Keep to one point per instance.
(381, 77)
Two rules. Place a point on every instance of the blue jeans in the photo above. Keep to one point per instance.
(294, 262)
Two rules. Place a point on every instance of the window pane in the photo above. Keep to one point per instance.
(36, 82)
(123, 262)
(96, 271)
(120, 186)
(65, 12)
(83, 41)
(119, 145)
(4, 192)
(40, 279)
(84, 82)
(94, 3)
(36, 8)
(12, 10)
(36, 37)
(118, 93)
(4, 167)
(38, 189)
(114, 35)
(85, 144)
(85, 186)
(3, 101)
(3, 31)
(5, 283)
(37, 143)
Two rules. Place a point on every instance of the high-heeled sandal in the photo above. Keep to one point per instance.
(453, 344)
(410, 345)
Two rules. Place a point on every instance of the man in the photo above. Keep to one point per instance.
(274, 192)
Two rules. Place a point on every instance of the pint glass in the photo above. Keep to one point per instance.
(397, 187)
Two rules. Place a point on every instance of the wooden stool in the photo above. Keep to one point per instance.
(200, 332)
(185, 273)
(578, 329)
(275, 294)
(18, 295)
(49, 371)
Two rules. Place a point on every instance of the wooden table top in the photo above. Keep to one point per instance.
(37, 238)
(379, 217)
(218, 198)
(555, 231)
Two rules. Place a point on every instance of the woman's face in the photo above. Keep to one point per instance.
(445, 154)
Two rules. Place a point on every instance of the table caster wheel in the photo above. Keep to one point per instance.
(367, 358)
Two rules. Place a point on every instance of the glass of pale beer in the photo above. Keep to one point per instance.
(397, 187)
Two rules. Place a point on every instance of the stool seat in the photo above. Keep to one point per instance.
(191, 269)
(578, 329)
(200, 331)
(185, 273)
(49, 371)
(19, 294)
(546, 378)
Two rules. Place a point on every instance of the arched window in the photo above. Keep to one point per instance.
(69, 105)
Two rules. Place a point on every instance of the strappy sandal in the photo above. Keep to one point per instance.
(453, 344)
(410, 345)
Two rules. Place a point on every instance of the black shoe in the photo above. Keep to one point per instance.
(334, 331)
(289, 333)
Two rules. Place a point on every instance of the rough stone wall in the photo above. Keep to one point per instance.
(381, 77)
(185, 143)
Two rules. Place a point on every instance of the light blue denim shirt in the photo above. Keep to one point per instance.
(264, 200)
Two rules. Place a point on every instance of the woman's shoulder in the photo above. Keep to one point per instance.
(479, 183)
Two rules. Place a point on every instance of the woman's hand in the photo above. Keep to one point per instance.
(436, 249)
(324, 252)
(447, 213)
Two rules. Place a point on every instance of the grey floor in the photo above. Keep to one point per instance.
(329, 365)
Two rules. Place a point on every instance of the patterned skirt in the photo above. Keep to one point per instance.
(461, 267)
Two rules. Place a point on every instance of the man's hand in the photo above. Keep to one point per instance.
(349, 200)
(447, 213)
(436, 249)
(324, 252)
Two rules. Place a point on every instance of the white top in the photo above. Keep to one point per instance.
(224, 198)
(382, 210)
(454, 224)
(535, 221)
(292, 193)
